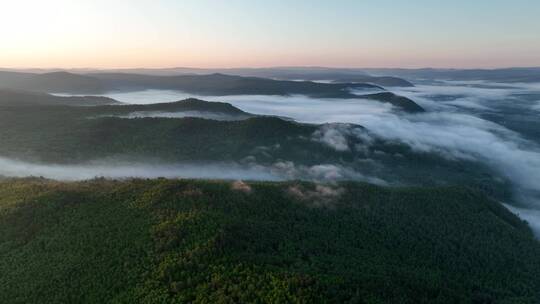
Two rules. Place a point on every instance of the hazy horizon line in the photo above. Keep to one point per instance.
(271, 67)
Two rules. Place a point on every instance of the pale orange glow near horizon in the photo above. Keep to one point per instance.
(182, 58)
(212, 34)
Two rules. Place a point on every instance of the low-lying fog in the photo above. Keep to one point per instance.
(118, 169)
(15, 168)
(497, 124)
(198, 114)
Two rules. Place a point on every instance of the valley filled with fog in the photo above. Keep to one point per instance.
(496, 124)
(423, 131)
(270, 152)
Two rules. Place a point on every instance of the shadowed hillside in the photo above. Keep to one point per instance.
(211, 85)
(12, 98)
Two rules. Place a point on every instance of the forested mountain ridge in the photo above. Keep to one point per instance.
(58, 134)
(208, 85)
(178, 241)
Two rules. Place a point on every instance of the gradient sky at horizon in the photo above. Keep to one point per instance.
(257, 33)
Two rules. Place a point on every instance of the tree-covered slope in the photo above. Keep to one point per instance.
(72, 135)
(181, 241)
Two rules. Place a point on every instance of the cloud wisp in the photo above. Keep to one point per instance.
(183, 114)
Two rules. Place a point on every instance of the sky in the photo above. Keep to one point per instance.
(258, 33)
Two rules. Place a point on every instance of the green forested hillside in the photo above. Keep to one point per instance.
(60, 134)
(182, 241)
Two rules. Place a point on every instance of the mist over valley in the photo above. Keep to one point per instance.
(370, 152)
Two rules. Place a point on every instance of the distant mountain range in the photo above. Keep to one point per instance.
(508, 75)
(207, 85)
(211, 84)
(312, 74)
(386, 77)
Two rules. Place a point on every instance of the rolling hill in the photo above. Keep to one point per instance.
(209, 85)
(16, 98)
